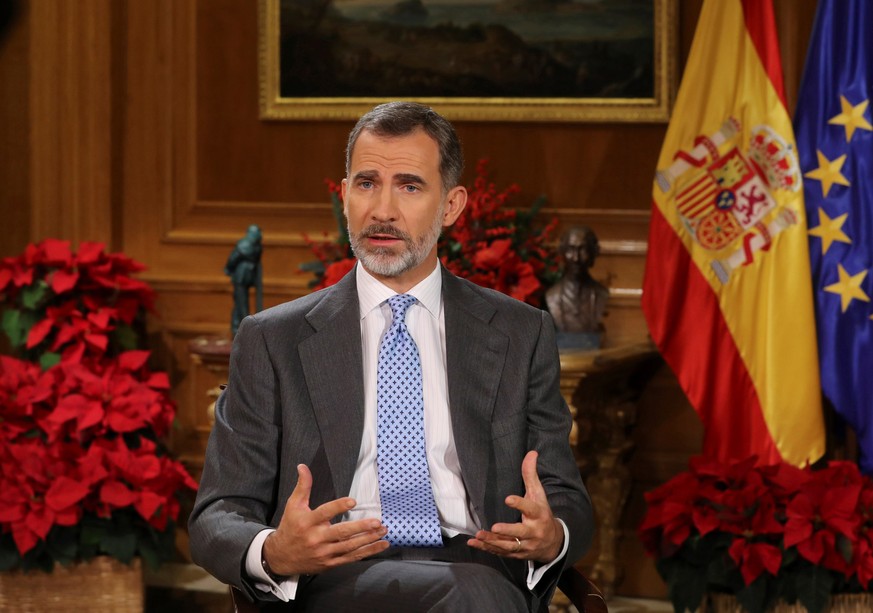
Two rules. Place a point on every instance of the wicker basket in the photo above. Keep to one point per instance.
(103, 585)
(840, 603)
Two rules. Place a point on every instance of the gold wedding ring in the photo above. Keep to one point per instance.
(517, 545)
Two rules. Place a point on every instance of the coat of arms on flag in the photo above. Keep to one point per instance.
(724, 195)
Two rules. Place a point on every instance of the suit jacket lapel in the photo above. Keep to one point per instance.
(475, 355)
(333, 367)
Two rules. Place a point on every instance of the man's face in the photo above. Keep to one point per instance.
(574, 250)
(395, 207)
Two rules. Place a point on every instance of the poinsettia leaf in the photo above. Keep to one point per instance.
(17, 324)
(116, 493)
(49, 359)
(148, 504)
(133, 360)
(119, 544)
(814, 585)
(93, 531)
(159, 381)
(36, 525)
(844, 547)
(753, 597)
(64, 281)
(62, 545)
(719, 572)
(687, 586)
(786, 585)
(337, 206)
(149, 554)
(38, 332)
(65, 492)
(90, 252)
(8, 555)
(693, 588)
(125, 336)
(56, 251)
(158, 547)
(32, 295)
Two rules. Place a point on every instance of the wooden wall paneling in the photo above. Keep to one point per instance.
(794, 19)
(183, 237)
(70, 119)
(14, 134)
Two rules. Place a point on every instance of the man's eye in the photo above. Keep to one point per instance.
(410, 188)
(365, 184)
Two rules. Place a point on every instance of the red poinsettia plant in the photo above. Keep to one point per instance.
(491, 244)
(83, 469)
(762, 533)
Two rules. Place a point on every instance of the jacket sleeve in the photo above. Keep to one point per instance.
(549, 423)
(236, 498)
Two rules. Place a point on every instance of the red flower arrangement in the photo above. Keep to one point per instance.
(490, 244)
(56, 300)
(762, 533)
(82, 468)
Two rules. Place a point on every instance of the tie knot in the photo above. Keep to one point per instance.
(399, 305)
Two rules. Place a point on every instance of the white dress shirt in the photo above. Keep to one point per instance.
(426, 325)
(425, 321)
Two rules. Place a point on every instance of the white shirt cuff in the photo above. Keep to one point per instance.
(284, 591)
(535, 574)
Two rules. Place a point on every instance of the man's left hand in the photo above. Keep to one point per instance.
(538, 537)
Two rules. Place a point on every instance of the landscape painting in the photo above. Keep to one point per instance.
(477, 59)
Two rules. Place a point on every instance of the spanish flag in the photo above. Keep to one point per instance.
(727, 290)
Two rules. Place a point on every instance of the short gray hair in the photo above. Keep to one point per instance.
(402, 118)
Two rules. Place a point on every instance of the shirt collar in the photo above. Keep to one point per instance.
(372, 292)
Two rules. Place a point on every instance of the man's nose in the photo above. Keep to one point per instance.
(385, 207)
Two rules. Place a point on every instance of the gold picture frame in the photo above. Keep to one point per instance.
(652, 109)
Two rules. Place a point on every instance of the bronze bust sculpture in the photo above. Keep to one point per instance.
(577, 301)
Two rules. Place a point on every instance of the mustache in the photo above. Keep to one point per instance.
(384, 229)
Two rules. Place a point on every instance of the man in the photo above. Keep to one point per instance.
(294, 504)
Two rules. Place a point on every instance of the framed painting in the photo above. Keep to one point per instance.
(480, 60)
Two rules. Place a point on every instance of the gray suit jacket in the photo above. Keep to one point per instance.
(295, 395)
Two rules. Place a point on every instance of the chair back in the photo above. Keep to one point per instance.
(584, 595)
(241, 604)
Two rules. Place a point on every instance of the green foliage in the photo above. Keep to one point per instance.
(814, 585)
(120, 536)
(49, 359)
(16, 325)
(33, 295)
(126, 337)
(703, 565)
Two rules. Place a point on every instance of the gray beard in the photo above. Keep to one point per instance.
(383, 261)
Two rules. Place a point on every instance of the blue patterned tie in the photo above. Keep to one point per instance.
(408, 507)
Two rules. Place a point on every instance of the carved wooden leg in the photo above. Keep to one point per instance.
(604, 408)
(609, 486)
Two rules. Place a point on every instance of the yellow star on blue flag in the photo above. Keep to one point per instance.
(834, 134)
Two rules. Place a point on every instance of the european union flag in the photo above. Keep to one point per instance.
(835, 146)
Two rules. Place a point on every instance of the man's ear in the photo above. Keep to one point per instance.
(456, 200)
(345, 186)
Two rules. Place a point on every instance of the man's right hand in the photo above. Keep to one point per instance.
(306, 543)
